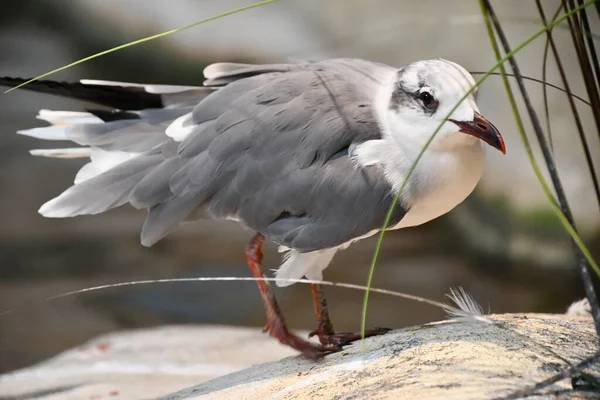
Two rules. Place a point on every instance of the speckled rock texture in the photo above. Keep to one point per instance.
(449, 360)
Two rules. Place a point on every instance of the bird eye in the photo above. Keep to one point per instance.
(429, 102)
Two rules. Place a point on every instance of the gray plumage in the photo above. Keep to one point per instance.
(270, 149)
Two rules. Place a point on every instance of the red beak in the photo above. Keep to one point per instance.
(482, 129)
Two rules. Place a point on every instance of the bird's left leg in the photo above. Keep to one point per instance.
(276, 326)
(325, 331)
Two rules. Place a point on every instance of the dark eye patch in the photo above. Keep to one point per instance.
(403, 97)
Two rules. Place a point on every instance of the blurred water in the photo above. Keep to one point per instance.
(478, 246)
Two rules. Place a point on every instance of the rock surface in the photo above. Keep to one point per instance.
(441, 360)
(454, 360)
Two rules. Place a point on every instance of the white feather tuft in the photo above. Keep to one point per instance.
(468, 309)
(73, 152)
(297, 265)
(580, 308)
(179, 129)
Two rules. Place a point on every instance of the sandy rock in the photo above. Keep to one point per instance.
(448, 360)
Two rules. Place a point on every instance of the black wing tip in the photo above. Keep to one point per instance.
(17, 80)
(112, 115)
(116, 97)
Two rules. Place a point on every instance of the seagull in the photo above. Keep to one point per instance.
(309, 155)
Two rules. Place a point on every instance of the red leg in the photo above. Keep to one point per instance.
(275, 323)
(324, 326)
(325, 332)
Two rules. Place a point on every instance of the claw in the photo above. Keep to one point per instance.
(346, 338)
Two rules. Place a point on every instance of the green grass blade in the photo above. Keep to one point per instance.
(568, 226)
(146, 39)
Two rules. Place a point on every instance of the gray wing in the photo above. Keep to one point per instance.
(269, 148)
(272, 152)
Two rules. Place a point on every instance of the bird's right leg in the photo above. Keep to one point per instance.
(275, 323)
(325, 331)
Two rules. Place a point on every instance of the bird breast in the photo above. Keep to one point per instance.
(441, 181)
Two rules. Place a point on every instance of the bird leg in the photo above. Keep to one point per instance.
(325, 332)
(276, 326)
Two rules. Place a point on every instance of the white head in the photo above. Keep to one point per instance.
(422, 95)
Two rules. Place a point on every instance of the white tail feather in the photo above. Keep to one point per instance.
(68, 117)
(73, 152)
(156, 89)
(50, 210)
(54, 132)
(102, 161)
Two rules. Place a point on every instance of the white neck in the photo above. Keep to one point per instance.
(446, 174)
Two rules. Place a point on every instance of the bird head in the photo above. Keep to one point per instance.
(423, 94)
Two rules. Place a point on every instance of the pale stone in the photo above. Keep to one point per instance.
(143, 363)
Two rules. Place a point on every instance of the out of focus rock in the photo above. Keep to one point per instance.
(143, 364)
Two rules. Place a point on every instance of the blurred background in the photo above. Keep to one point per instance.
(503, 245)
